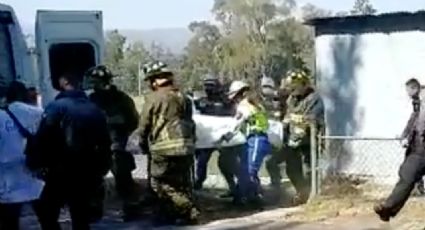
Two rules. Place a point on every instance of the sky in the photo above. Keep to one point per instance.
(148, 14)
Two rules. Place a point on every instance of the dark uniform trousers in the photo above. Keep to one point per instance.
(296, 159)
(75, 194)
(411, 171)
(123, 165)
(171, 180)
(228, 163)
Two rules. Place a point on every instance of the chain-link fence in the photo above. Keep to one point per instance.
(347, 163)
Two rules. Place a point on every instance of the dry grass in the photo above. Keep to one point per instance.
(355, 199)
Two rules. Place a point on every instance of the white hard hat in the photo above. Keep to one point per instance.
(267, 82)
(236, 87)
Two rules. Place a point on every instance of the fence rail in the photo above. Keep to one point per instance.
(349, 161)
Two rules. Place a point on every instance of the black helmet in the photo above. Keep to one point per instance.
(100, 72)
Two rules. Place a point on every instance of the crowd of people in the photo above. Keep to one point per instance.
(60, 155)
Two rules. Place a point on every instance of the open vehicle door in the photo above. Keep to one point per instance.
(15, 61)
(67, 42)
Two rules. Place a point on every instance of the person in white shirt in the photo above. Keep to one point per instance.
(17, 184)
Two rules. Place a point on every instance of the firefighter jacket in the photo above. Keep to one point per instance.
(166, 126)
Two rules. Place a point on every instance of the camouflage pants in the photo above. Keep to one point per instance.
(297, 159)
(171, 180)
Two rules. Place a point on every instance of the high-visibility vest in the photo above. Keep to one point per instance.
(257, 122)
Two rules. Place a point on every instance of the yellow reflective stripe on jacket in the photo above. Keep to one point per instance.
(172, 144)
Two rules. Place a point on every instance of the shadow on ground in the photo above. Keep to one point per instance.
(212, 207)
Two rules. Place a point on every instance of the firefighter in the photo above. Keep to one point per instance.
(167, 134)
(270, 98)
(214, 103)
(122, 117)
(304, 107)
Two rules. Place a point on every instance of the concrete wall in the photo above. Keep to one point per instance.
(361, 77)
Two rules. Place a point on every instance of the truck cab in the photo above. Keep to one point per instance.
(65, 42)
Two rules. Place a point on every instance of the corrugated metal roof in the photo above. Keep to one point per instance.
(353, 18)
(382, 23)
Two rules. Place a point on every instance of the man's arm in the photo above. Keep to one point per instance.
(315, 110)
(145, 125)
(132, 116)
(409, 126)
(104, 157)
(46, 140)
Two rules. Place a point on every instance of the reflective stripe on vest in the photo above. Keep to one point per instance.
(258, 122)
(172, 144)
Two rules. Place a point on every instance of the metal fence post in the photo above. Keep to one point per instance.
(313, 158)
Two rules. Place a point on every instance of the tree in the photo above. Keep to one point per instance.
(114, 52)
(363, 7)
(251, 38)
(310, 11)
(134, 57)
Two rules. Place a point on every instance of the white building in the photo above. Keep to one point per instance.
(362, 64)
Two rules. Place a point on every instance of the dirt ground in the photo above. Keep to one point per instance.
(350, 210)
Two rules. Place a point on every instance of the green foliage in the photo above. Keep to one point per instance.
(362, 7)
(249, 38)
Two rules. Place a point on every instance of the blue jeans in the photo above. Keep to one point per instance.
(257, 148)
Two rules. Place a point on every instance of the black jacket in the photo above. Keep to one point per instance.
(121, 114)
(73, 138)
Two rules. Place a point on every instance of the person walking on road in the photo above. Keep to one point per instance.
(167, 134)
(122, 118)
(412, 169)
(18, 122)
(73, 148)
(304, 108)
(251, 120)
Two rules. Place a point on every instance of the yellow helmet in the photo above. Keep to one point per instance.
(297, 77)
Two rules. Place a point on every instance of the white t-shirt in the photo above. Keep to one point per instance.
(17, 184)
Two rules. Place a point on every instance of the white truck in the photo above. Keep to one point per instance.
(64, 41)
(74, 41)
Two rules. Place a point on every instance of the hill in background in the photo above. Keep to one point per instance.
(174, 39)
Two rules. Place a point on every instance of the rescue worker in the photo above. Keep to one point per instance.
(167, 133)
(122, 118)
(270, 98)
(251, 120)
(73, 148)
(304, 107)
(215, 104)
(413, 167)
(413, 89)
(273, 165)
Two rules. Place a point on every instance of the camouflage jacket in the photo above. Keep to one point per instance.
(302, 111)
(166, 125)
(121, 114)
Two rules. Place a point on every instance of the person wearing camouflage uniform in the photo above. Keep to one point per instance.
(273, 166)
(167, 134)
(270, 98)
(122, 118)
(214, 103)
(304, 108)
